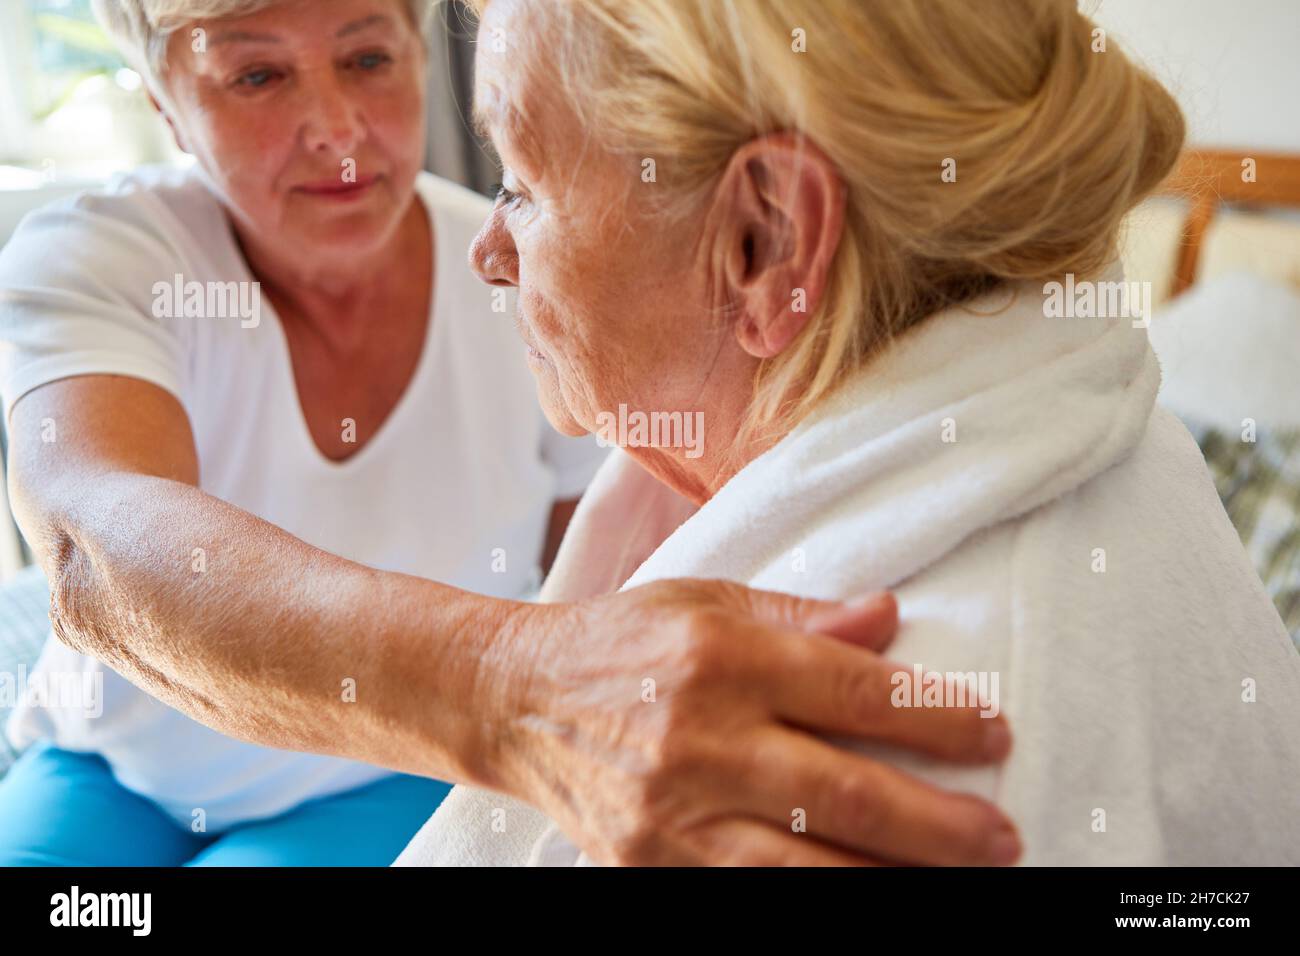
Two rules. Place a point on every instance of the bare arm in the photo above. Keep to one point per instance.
(253, 632)
(227, 617)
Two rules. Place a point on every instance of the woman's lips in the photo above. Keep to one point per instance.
(335, 189)
(522, 327)
(533, 353)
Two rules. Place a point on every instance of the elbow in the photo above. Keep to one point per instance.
(86, 616)
(69, 569)
(70, 573)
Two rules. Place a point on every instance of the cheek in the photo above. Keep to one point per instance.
(562, 302)
(558, 321)
(608, 304)
(396, 121)
(247, 150)
(593, 334)
(594, 288)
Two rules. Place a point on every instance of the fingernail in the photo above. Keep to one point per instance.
(868, 600)
(1004, 848)
(997, 741)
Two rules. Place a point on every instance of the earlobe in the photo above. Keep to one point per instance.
(772, 315)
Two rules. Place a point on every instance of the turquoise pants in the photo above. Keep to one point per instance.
(59, 808)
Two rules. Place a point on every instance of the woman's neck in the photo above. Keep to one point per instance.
(722, 447)
(333, 291)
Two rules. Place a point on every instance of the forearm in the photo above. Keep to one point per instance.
(261, 636)
(545, 703)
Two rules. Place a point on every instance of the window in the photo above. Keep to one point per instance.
(70, 109)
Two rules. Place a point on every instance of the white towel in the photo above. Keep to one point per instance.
(1008, 475)
(475, 827)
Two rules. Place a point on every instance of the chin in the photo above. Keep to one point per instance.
(557, 413)
(344, 237)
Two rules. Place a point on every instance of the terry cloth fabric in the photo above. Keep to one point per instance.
(1039, 519)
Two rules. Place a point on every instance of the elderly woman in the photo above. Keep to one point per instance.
(846, 260)
(256, 410)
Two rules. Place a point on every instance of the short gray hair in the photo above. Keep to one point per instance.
(141, 28)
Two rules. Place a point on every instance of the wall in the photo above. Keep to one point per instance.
(1233, 64)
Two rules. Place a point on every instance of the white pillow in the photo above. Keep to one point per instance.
(1229, 350)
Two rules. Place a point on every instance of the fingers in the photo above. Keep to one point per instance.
(868, 622)
(734, 749)
(825, 685)
(854, 803)
(735, 841)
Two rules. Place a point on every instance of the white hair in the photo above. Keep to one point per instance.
(141, 28)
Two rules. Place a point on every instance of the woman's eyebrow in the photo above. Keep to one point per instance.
(356, 26)
(244, 36)
(480, 123)
(495, 112)
(490, 108)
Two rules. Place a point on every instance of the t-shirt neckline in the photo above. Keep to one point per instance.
(429, 347)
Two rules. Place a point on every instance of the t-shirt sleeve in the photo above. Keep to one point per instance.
(77, 285)
(574, 461)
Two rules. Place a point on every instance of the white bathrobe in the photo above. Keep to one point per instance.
(1039, 519)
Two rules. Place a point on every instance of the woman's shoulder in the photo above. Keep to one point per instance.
(140, 192)
(149, 209)
(1149, 544)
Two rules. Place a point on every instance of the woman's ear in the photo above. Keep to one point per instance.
(783, 216)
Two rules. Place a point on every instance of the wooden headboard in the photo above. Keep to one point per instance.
(1207, 178)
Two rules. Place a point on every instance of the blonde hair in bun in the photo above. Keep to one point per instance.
(1053, 134)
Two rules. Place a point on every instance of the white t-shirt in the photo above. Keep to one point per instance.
(456, 486)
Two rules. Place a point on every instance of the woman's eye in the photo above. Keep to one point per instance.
(372, 61)
(255, 79)
(503, 195)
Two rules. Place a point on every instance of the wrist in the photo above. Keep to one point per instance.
(517, 680)
(445, 684)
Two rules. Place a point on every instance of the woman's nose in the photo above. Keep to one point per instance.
(492, 254)
(333, 122)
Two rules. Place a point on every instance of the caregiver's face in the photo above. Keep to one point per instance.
(612, 306)
(309, 117)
